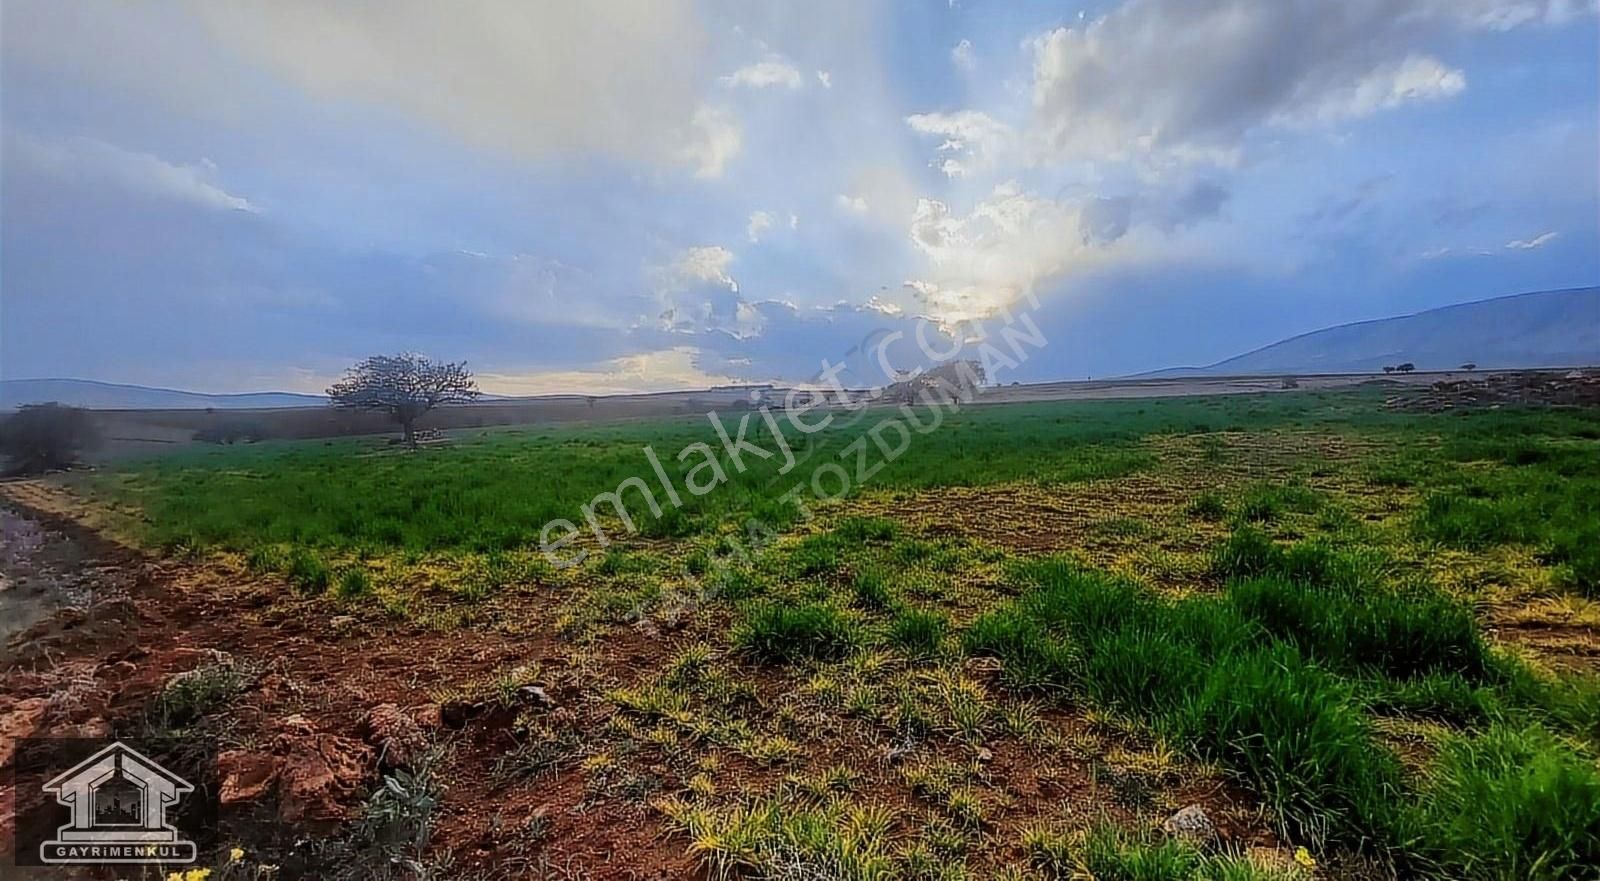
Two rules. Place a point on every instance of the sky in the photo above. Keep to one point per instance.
(651, 194)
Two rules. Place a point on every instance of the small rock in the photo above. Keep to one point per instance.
(118, 670)
(535, 696)
(314, 776)
(395, 735)
(984, 667)
(21, 720)
(1191, 824)
(984, 755)
(456, 713)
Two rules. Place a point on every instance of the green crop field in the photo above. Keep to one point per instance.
(1008, 647)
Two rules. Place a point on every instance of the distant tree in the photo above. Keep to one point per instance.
(1388, 368)
(1406, 367)
(405, 386)
(1469, 367)
(42, 437)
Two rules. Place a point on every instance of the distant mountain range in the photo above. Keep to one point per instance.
(1539, 329)
(115, 396)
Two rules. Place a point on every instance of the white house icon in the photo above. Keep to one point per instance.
(118, 799)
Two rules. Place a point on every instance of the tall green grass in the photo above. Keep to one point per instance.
(1276, 678)
(496, 489)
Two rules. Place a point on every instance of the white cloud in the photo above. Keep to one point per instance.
(1190, 81)
(662, 370)
(1529, 244)
(760, 222)
(794, 221)
(705, 263)
(1417, 78)
(714, 137)
(969, 133)
(86, 159)
(961, 56)
(851, 204)
(1001, 251)
(531, 80)
(764, 74)
(825, 78)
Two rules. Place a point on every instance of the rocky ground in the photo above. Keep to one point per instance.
(1574, 388)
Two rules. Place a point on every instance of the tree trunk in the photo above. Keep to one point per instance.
(409, 426)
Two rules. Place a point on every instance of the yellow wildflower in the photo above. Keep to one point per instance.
(1304, 858)
(197, 875)
(236, 855)
(174, 876)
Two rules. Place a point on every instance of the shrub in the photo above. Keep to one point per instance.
(775, 632)
(189, 696)
(917, 632)
(45, 437)
(1509, 804)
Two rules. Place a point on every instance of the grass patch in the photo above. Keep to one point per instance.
(919, 633)
(1508, 804)
(307, 571)
(778, 632)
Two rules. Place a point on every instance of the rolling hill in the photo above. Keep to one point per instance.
(1539, 329)
(115, 396)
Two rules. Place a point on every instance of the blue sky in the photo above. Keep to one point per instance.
(647, 194)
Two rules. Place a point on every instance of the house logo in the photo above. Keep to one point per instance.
(119, 801)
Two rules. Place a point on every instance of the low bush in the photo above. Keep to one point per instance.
(44, 437)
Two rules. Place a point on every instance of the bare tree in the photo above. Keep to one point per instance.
(405, 386)
(1388, 368)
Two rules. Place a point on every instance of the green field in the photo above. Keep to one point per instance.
(1304, 595)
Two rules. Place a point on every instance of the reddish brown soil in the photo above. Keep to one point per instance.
(93, 671)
